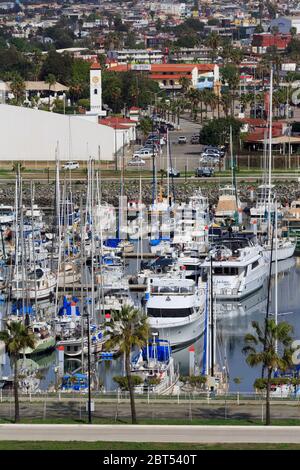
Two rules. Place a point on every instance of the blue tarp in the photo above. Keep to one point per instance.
(160, 351)
(112, 242)
(68, 308)
(17, 309)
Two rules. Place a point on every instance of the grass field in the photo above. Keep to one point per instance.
(100, 445)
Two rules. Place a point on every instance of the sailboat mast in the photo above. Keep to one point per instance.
(270, 147)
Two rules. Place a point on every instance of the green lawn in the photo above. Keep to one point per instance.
(100, 445)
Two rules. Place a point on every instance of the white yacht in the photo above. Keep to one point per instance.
(175, 309)
(7, 215)
(285, 249)
(239, 268)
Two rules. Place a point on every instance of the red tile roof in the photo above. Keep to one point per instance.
(117, 121)
(259, 134)
(168, 68)
(95, 66)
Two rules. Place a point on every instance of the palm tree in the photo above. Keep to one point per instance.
(231, 77)
(213, 41)
(16, 338)
(146, 126)
(268, 341)
(185, 84)
(194, 97)
(226, 102)
(51, 80)
(128, 329)
(18, 88)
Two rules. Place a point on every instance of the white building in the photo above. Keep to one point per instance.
(33, 135)
(96, 92)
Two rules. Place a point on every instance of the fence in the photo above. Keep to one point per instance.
(115, 407)
(256, 161)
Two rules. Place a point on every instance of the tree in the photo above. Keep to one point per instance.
(60, 65)
(217, 132)
(123, 381)
(51, 80)
(146, 126)
(269, 346)
(194, 382)
(185, 84)
(128, 329)
(230, 76)
(213, 41)
(18, 88)
(16, 338)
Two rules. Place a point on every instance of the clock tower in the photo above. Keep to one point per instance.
(96, 90)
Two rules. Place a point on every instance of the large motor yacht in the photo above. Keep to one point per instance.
(175, 309)
(238, 268)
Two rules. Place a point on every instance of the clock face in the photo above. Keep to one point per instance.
(95, 79)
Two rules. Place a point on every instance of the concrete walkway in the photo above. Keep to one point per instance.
(144, 433)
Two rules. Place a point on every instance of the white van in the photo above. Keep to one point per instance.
(71, 166)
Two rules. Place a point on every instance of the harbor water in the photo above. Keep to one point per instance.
(233, 322)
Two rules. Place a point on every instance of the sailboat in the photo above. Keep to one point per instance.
(284, 247)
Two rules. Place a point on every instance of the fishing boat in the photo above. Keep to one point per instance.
(175, 306)
(38, 283)
(228, 204)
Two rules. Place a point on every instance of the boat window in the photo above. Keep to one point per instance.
(190, 267)
(169, 312)
(226, 271)
(255, 264)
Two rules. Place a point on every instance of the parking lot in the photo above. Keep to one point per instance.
(183, 157)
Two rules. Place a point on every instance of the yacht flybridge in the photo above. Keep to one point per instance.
(238, 268)
(265, 201)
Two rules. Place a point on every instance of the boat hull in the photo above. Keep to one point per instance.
(178, 333)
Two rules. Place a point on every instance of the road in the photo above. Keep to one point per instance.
(145, 433)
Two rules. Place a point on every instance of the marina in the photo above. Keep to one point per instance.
(200, 278)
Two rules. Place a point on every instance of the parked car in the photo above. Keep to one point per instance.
(195, 139)
(210, 155)
(71, 166)
(151, 145)
(136, 162)
(173, 172)
(215, 150)
(206, 172)
(181, 139)
(148, 152)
